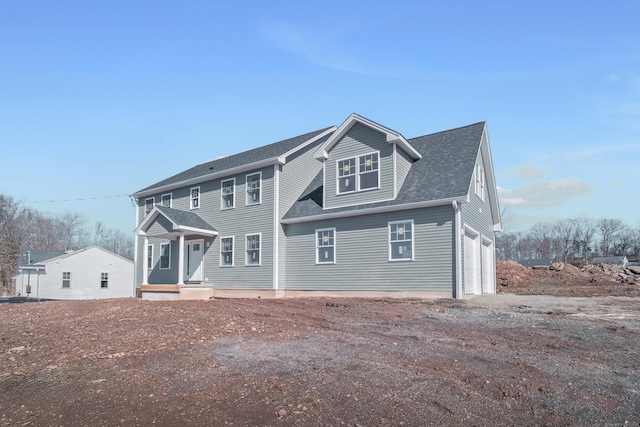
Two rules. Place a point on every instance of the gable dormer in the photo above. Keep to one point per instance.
(363, 162)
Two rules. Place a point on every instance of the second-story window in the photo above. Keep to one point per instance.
(228, 193)
(195, 198)
(166, 200)
(358, 173)
(148, 205)
(253, 188)
(346, 176)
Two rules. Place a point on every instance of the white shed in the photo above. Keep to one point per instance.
(88, 273)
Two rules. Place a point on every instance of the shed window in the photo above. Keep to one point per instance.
(66, 279)
(104, 280)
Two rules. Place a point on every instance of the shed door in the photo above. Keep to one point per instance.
(472, 263)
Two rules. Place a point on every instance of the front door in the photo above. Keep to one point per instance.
(194, 253)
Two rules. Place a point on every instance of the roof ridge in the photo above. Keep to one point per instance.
(449, 130)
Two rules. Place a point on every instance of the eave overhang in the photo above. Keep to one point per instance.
(375, 210)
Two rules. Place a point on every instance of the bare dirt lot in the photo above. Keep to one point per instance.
(492, 360)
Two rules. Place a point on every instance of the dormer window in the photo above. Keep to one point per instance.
(364, 176)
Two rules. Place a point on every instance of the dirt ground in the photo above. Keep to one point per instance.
(493, 360)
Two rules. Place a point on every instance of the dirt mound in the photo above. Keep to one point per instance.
(567, 280)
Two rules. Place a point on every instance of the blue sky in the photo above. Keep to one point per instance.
(100, 99)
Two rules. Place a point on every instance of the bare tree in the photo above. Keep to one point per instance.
(608, 229)
(584, 230)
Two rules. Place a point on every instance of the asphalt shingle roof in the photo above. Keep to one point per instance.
(185, 218)
(37, 256)
(247, 157)
(444, 172)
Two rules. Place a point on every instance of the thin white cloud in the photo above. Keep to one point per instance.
(329, 49)
(545, 194)
(526, 172)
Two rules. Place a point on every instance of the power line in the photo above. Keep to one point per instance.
(77, 200)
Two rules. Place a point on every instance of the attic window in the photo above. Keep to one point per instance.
(479, 181)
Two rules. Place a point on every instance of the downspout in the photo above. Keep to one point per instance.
(276, 225)
(458, 249)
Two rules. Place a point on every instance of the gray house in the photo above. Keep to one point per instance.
(354, 210)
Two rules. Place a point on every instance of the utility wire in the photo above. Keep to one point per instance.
(77, 200)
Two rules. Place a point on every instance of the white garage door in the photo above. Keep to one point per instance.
(488, 266)
(472, 262)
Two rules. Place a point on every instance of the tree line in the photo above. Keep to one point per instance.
(569, 240)
(24, 228)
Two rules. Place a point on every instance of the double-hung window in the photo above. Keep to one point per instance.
(66, 279)
(326, 246)
(165, 256)
(228, 188)
(104, 280)
(166, 200)
(149, 257)
(368, 171)
(358, 173)
(226, 252)
(401, 240)
(149, 204)
(194, 198)
(346, 175)
(253, 249)
(253, 188)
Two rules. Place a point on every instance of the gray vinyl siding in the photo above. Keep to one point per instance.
(403, 164)
(160, 225)
(295, 175)
(362, 257)
(360, 139)
(239, 222)
(477, 215)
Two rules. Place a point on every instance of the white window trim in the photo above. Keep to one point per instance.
(246, 250)
(246, 202)
(334, 261)
(153, 203)
(235, 196)
(63, 280)
(191, 197)
(170, 199)
(160, 262)
(356, 175)
(233, 249)
(413, 241)
(149, 256)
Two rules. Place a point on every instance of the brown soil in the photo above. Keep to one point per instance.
(492, 360)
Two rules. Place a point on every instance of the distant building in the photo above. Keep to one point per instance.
(88, 273)
(620, 261)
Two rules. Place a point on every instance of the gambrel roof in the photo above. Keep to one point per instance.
(442, 175)
(245, 161)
